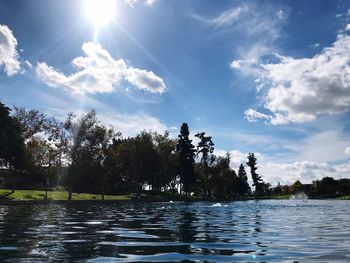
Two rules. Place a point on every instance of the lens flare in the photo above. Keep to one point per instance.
(100, 12)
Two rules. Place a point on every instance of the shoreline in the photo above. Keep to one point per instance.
(141, 200)
(25, 197)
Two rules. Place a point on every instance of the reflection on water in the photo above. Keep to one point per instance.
(263, 231)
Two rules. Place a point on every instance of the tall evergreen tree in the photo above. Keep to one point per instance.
(243, 186)
(257, 181)
(205, 146)
(186, 155)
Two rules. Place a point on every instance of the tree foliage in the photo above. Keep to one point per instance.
(257, 180)
(12, 152)
(243, 187)
(186, 153)
(84, 155)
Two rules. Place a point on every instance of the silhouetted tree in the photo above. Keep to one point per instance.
(12, 153)
(98, 160)
(327, 186)
(223, 180)
(243, 186)
(205, 147)
(257, 181)
(343, 186)
(186, 155)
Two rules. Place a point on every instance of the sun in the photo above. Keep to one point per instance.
(100, 12)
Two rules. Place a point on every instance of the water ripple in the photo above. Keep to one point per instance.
(263, 231)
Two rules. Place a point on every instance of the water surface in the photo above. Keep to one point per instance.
(251, 231)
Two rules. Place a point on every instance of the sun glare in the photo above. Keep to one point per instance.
(100, 12)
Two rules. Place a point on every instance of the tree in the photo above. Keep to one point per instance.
(138, 162)
(257, 181)
(224, 179)
(32, 121)
(296, 187)
(327, 186)
(12, 153)
(87, 140)
(166, 161)
(186, 155)
(243, 186)
(205, 147)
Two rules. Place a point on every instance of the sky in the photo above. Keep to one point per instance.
(269, 77)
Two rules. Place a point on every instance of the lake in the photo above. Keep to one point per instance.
(247, 231)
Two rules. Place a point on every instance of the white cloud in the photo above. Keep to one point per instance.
(9, 58)
(253, 115)
(131, 124)
(347, 150)
(315, 45)
(347, 27)
(98, 72)
(323, 146)
(238, 157)
(28, 64)
(145, 80)
(280, 14)
(133, 3)
(259, 28)
(288, 172)
(150, 2)
(304, 171)
(300, 89)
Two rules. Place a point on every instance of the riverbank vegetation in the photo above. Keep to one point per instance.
(81, 155)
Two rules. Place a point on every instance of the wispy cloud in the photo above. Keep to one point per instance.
(255, 29)
(226, 18)
(326, 146)
(128, 123)
(98, 72)
(9, 57)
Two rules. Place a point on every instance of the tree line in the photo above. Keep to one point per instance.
(83, 155)
(80, 154)
(327, 187)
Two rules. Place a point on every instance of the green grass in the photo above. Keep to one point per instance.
(287, 196)
(30, 195)
(344, 197)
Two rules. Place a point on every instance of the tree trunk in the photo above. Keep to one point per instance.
(103, 192)
(70, 190)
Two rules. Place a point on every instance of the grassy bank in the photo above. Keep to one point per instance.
(345, 197)
(36, 195)
(39, 195)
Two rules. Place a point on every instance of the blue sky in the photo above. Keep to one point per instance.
(270, 77)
